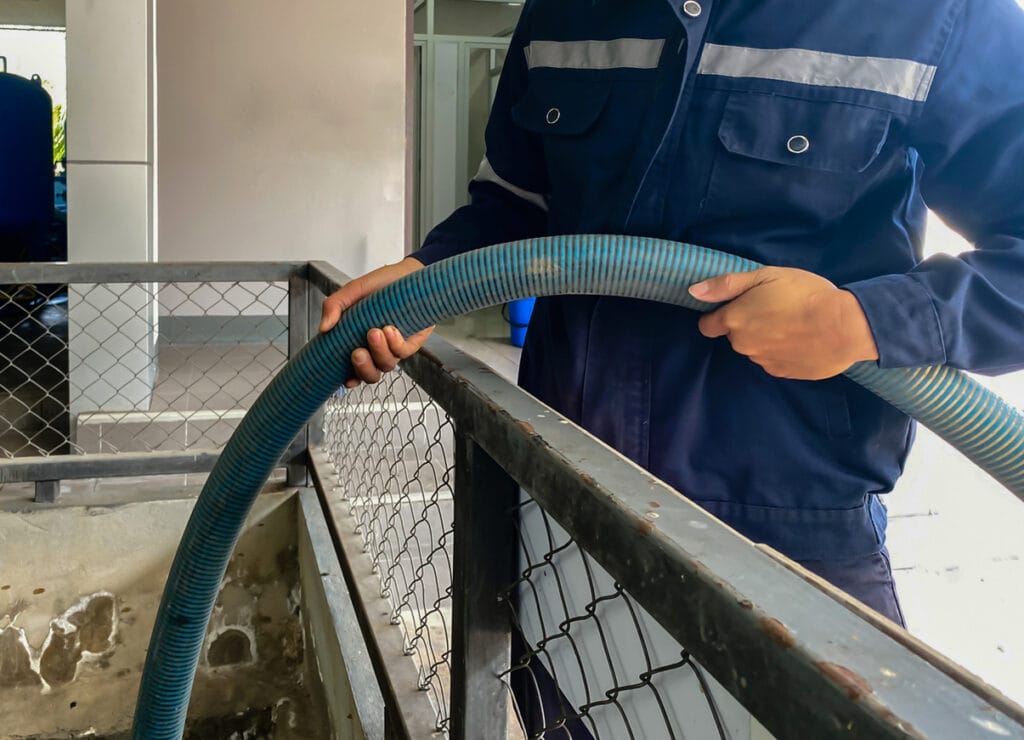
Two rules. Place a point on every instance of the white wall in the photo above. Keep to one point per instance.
(282, 130)
(110, 217)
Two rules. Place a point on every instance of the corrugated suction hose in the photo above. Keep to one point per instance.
(971, 418)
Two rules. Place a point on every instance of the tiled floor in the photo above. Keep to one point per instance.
(200, 395)
(955, 536)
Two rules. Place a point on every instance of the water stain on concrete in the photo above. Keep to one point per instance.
(58, 662)
(87, 627)
(95, 623)
(230, 647)
(15, 661)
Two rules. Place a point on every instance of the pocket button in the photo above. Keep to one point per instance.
(798, 144)
(553, 116)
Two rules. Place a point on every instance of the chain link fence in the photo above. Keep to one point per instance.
(590, 662)
(587, 662)
(109, 367)
(392, 447)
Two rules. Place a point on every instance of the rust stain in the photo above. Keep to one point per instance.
(654, 504)
(855, 685)
(645, 526)
(745, 604)
(526, 427)
(38, 591)
(777, 631)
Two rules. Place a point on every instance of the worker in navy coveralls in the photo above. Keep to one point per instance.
(807, 136)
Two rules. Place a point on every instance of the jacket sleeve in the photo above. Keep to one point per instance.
(508, 193)
(966, 311)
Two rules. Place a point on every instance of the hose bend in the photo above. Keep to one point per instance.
(974, 420)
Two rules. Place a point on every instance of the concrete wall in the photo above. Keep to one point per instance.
(75, 621)
(282, 130)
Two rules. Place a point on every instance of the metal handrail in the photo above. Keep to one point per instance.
(148, 272)
(821, 664)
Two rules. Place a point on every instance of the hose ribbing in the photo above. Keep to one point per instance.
(973, 419)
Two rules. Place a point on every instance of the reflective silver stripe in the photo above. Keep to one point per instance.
(486, 173)
(899, 77)
(616, 53)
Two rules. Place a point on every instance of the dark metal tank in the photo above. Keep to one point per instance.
(26, 164)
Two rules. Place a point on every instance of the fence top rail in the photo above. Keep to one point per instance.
(803, 661)
(106, 465)
(149, 272)
(326, 276)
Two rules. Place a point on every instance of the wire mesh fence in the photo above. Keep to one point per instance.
(134, 366)
(587, 662)
(392, 447)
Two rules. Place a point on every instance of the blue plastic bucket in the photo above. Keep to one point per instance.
(519, 313)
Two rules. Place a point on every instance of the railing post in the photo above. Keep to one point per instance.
(483, 564)
(298, 335)
(47, 491)
(314, 302)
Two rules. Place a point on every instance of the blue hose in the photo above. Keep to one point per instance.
(976, 421)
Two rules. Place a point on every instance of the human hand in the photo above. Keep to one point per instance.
(386, 347)
(792, 323)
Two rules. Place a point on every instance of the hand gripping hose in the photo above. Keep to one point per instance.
(974, 420)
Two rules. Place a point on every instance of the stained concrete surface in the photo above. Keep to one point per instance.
(79, 588)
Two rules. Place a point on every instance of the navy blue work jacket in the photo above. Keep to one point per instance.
(799, 134)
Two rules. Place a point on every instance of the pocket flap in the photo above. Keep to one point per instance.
(824, 135)
(560, 106)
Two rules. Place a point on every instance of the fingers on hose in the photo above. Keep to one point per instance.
(400, 346)
(380, 350)
(714, 324)
(363, 368)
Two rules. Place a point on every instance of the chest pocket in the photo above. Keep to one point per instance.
(588, 128)
(802, 163)
(560, 107)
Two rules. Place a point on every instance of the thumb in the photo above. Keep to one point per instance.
(727, 287)
(342, 300)
(330, 313)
